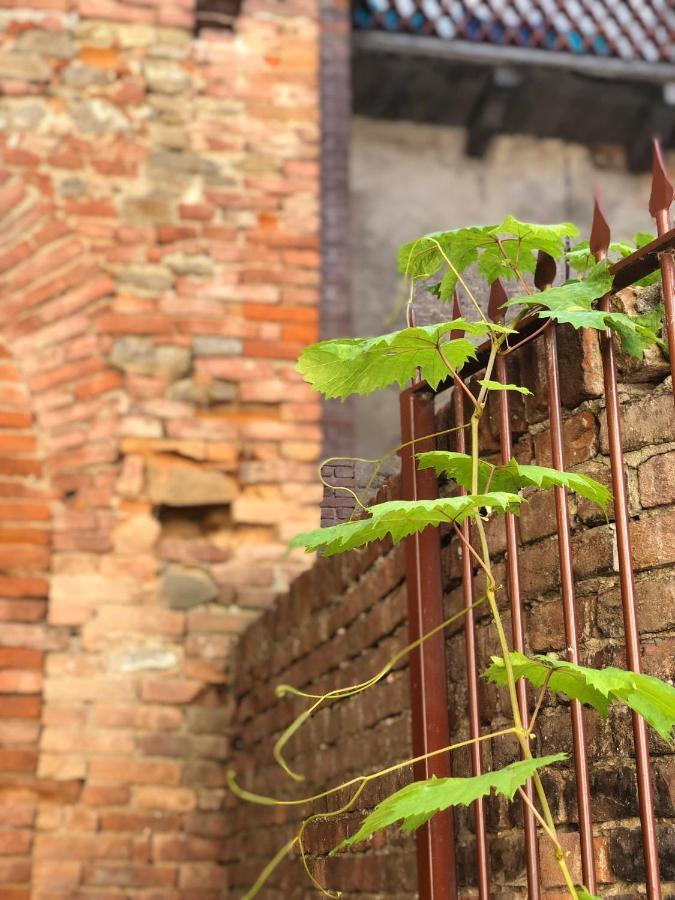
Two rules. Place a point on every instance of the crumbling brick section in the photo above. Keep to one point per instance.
(345, 618)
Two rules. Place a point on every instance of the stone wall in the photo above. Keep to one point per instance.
(159, 273)
(345, 618)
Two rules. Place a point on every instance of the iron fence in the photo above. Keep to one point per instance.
(431, 722)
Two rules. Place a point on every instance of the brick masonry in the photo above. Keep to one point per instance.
(159, 273)
(344, 619)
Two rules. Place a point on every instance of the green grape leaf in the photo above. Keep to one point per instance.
(642, 238)
(635, 332)
(418, 802)
(653, 319)
(652, 698)
(545, 478)
(573, 296)
(400, 518)
(458, 467)
(581, 259)
(572, 304)
(513, 476)
(339, 368)
(520, 242)
(499, 250)
(463, 253)
(425, 255)
(549, 238)
(498, 386)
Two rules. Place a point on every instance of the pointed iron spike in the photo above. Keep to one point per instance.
(545, 272)
(456, 314)
(600, 233)
(498, 298)
(662, 193)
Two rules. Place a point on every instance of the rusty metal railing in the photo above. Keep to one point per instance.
(428, 683)
(431, 717)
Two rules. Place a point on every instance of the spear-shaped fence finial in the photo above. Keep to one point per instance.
(498, 298)
(662, 193)
(545, 272)
(456, 314)
(600, 233)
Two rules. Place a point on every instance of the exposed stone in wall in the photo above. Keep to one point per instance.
(344, 619)
(158, 276)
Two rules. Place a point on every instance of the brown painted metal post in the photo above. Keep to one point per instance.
(497, 297)
(543, 278)
(599, 242)
(428, 674)
(482, 853)
(659, 206)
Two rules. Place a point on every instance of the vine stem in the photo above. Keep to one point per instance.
(378, 462)
(359, 779)
(516, 270)
(459, 278)
(540, 700)
(331, 815)
(352, 690)
(269, 868)
(535, 812)
(458, 381)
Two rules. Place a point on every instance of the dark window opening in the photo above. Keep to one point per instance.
(217, 14)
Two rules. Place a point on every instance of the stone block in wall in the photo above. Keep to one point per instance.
(580, 440)
(183, 484)
(142, 357)
(657, 480)
(655, 592)
(647, 418)
(182, 587)
(653, 538)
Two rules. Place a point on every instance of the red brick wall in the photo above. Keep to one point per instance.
(345, 618)
(25, 538)
(159, 273)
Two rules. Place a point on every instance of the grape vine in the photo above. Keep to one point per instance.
(340, 368)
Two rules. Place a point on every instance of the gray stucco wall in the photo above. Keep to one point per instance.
(408, 179)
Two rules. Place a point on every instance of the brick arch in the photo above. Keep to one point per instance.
(58, 454)
(25, 636)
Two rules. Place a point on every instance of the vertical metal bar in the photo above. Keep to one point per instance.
(543, 278)
(428, 676)
(482, 854)
(659, 206)
(497, 297)
(599, 243)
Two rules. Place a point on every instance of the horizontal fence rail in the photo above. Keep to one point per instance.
(423, 563)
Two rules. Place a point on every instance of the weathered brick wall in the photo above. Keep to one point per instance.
(342, 621)
(159, 273)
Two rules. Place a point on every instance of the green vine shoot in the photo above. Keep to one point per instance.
(340, 368)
